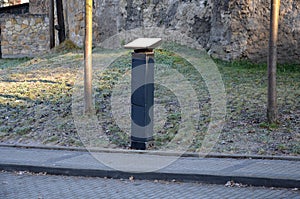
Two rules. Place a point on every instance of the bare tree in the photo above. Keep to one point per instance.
(88, 55)
(61, 22)
(51, 24)
(272, 112)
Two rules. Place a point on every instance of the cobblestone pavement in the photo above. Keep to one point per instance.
(39, 186)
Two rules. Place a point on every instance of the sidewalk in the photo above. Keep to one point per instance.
(256, 172)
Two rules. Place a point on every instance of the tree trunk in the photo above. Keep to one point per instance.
(88, 55)
(0, 45)
(60, 20)
(272, 112)
(51, 24)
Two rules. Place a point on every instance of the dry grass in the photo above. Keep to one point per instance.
(36, 104)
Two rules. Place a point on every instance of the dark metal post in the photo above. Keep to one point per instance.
(142, 98)
(142, 91)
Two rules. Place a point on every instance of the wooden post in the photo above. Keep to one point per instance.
(60, 20)
(88, 55)
(0, 44)
(272, 112)
(51, 24)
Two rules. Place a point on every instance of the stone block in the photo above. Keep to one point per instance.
(5, 51)
(26, 22)
(42, 37)
(38, 20)
(79, 17)
(13, 21)
(4, 43)
(23, 26)
(8, 24)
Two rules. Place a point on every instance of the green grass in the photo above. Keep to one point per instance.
(36, 102)
(10, 63)
(35, 96)
(250, 66)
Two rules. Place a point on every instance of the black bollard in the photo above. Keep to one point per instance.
(142, 91)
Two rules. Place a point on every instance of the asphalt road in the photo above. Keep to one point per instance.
(39, 186)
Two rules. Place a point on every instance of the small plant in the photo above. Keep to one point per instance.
(296, 149)
(268, 126)
(22, 130)
(282, 147)
(264, 125)
(51, 139)
(123, 42)
(66, 46)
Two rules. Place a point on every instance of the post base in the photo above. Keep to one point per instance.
(138, 145)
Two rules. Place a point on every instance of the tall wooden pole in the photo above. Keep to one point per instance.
(272, 112)
(51, 24)
(88, 55)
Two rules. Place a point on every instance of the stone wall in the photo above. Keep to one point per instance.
(114, 16)
(75, 10)
(227, 29)
(24, 35)
(250, 31)
(38, 6)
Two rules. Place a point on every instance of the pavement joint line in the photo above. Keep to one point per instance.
(161, 153)
(166, 176)
(62, 158)
(239, 166)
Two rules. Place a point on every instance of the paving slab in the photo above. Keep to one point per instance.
(256, 172)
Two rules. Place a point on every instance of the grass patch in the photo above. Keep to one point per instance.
(10, 63)
(66, 46)
(22, 130)
(36, 101)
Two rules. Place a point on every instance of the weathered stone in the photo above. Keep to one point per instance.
(77, 29)
(19, 37)
(42, 37)
(38, 20)
(9, 33)
(32, 21)
(4, 43)
(13, 21)
(229, 29)
(79, 17)
(23, 26)
(15, 38)
(8, 24)
(5, 51)
(38, 6)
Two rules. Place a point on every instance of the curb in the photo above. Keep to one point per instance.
(180, 177)
(161, 153)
